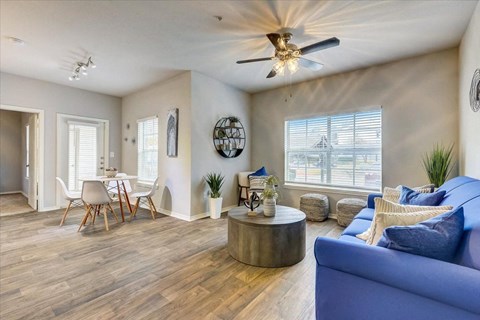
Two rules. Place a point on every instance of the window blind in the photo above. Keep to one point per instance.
(147, 149)
(82, 153)
(343, 150)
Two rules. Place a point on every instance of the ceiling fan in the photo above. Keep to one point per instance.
(288, 54)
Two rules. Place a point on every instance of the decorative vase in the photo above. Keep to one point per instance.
(215, 205)
(269, 207)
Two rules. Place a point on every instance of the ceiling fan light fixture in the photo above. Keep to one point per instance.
(279, 67)
(292, 65)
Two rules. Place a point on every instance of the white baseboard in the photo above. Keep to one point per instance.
(190, 218)
(11, 192)
(24, 194)
(48, 208)
(333, 216)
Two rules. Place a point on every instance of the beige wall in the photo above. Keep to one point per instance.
(469, 120)
(53, 98)
(174, 195)
(212, 100)
(10, 151)
(419, 97)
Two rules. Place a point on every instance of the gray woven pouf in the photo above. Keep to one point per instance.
(347, 209)
(315, 206)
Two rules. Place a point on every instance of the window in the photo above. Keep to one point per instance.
(82, 153)
(147, 149)
(342, 150)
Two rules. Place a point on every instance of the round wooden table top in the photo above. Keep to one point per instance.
(284, 215)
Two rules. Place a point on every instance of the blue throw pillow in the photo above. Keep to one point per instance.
(435, 238)
(259, 172)
(412, 197)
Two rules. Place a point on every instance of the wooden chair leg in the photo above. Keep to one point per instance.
(151, 207)
(134, 212)
(113, 212)
(93, 218)
(65, 214)
(84, 220)
(153, 204)
(105, 217)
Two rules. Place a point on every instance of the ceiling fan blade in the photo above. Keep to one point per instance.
(332, 42)
(277, 41)
(255, 60)
(272, 74)
(312, 65)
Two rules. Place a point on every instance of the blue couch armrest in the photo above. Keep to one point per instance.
(370, 200)
(441, 281)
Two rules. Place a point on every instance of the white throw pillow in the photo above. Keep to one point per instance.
(384, 206)
(393, 194)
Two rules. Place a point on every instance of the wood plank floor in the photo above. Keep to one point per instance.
(145, 269)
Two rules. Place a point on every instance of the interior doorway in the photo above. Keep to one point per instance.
(21, 169)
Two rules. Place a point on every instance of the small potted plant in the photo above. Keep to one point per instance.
(438, 164)
(215, 182)
(270, 196)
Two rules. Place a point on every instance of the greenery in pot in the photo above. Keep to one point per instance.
(438, 164)
(269, 192)
(215, 182)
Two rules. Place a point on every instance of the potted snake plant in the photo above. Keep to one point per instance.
(438, 164)
(215, 182)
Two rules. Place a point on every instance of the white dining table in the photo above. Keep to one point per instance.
(120, 186)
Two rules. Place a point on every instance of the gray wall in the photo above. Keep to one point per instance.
(201, 101)
(10, 151)
(469, 121)
(54, 98)
(174, 195)
(212, 100)
(419, 97)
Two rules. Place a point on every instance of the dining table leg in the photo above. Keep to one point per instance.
(120, 201)
(126, 197)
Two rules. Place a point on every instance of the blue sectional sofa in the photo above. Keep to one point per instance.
(358, 281)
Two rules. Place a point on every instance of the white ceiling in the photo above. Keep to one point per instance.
(138, 43)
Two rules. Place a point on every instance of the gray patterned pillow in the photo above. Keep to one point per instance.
(257, 183)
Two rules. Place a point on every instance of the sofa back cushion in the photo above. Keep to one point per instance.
(468, 252)
(465, 192)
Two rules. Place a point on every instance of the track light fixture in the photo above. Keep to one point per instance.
(81, 68)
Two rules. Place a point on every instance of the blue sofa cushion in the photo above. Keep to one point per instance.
(260, 172)
(435, 238)
(412, 197)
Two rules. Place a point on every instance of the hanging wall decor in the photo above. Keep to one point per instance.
(229, 137)
(172, 132)
(475, 91)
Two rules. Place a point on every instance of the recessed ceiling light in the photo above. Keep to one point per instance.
(16, 41)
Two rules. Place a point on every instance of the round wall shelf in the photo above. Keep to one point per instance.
(229, 137)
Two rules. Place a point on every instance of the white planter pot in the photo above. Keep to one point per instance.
(215, 205)
(269, 207)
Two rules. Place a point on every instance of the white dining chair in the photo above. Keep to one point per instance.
(147, 195)
(95, 195)
(74, 198)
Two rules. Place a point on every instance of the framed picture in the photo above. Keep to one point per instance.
(172, 132)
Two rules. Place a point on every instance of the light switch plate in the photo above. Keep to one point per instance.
(112, 154)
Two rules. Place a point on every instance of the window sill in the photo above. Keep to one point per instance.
(335, 190)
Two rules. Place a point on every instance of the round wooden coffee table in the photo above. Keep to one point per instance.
(261, 241)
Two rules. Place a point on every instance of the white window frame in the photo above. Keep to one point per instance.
(327, 151)
(141, 179)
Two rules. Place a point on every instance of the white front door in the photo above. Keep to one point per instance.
(32, 160)
(86, 154)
